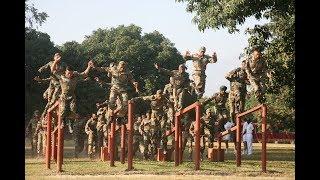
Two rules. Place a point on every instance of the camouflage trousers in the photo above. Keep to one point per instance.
(38, 141)
(236, 104)
(205, 138)
(199, 80)
(105, 131)
(123, 96)
(42, 142)
(170, 117)
(92, 143)
(149, 144)
(259, 87)
(67, 106)
(222, 114)
(161, 128)
(100, 139)
(52, 93)
(180, 98)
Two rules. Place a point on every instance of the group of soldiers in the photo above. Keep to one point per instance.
(149, 128)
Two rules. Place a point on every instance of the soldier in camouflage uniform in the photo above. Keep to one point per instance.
(257, 73)
(181, 84)
(200, 62)
(53, 91)
(168, 93)
(238, 90)
(159, 103)
(68, 82)
(100, 131)
(32, 131)
(219, 100)
(121, 78)
(147, 127)
(207, 131)
(91, 131)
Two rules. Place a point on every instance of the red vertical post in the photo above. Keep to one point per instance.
(112, 134)
(123, 133)
(60, 142)
(264, 139)
(48, 148)
(197, 139)
(180, 143)
(130, 135)
(109, 139)
(54, 146)
(176, 141)
(238, 140)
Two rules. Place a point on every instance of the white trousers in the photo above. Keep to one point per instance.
(249, 138)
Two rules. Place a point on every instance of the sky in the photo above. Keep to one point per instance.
(72, 20)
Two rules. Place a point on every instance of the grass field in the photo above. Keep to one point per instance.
(280, 165)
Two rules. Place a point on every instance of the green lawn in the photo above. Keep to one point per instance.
(281, 163)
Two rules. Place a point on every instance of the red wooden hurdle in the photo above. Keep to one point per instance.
(54, 147)
(238, 128)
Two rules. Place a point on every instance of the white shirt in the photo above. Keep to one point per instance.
(228, 125)
(249, 128)
(244, 127)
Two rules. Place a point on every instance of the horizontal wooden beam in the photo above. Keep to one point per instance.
(250, 110)
(190, 107)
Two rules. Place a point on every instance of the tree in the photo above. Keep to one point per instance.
(32, 16)
(275, 38)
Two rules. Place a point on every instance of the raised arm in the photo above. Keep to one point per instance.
(44, 67)
(86, 72)
(187, 56)
(163, 70)
(39, 80)
(54, 67)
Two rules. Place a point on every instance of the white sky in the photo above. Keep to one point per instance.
(73, 19)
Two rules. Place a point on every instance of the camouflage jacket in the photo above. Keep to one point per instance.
(120, 80)
(238, 80)
(68, 85)
(200, 63)
(181, 79)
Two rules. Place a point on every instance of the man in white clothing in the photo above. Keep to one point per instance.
(244, 139)
(249, 136)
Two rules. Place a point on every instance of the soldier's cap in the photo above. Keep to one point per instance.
(208, 110)
(223, 88)
(183, 65)
(202, 49)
